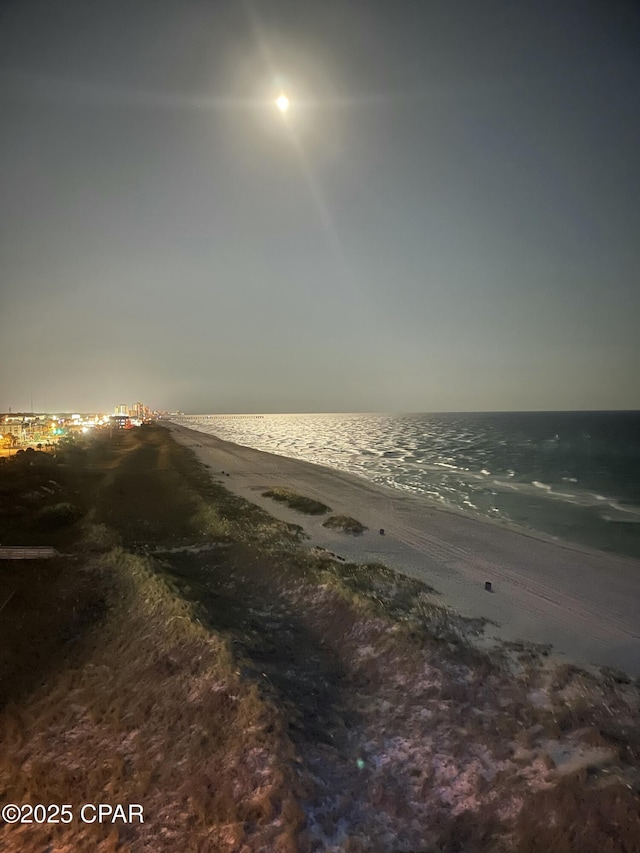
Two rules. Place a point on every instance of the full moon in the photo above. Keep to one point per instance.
(282, 103)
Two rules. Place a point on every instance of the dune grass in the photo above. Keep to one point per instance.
(309, 506)
(345, 523)
(152, 710)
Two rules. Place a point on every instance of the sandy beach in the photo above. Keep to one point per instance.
(585, 603)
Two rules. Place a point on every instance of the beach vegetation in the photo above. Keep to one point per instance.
(58, 515)
(345, 523)
(573, 815)
(309, 506)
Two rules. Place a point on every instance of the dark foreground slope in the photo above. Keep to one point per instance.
(191, 654)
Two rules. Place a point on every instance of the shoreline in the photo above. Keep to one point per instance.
(581, 601)
(592, 515)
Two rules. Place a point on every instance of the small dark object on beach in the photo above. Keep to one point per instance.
(487, 586)
(382, 531)
(227, 475)
(222, 472)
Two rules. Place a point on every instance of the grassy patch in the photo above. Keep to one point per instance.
(299, 502)
(49, 606)
(41, 496)
(58, 515)
(153, 710)
(345, 523)
(571, 817)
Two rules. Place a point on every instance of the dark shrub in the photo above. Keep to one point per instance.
(58, 515)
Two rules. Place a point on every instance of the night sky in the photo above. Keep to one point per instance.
(447, 217)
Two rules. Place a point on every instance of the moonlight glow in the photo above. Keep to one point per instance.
(282, 102)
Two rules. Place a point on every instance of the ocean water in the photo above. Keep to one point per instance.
(572, 475)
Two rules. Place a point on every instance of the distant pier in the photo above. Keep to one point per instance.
(218, 417)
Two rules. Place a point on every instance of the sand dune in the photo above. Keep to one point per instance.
(586, 603)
